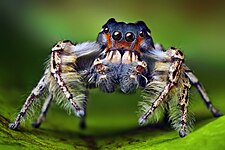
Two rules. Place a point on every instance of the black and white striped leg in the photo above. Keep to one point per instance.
(56, 71)
(194, 80)
(156, 103)
(183, 104)
(36, 92)
(176, 61)
(44, 111)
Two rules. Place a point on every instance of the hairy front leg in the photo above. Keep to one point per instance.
(36, 92)
(64, 48)
(176, 58)
(63, 80)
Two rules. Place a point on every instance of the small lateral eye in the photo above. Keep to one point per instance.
(129, 37)
(117, 35)
(141, 33)
(106, 30)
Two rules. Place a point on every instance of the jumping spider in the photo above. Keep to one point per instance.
(124, 56)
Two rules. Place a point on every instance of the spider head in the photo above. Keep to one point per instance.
(125, 36)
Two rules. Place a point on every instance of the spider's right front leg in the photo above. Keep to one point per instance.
(175, 58)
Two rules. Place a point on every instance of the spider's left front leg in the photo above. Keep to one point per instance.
(62, 69)
(175, 58)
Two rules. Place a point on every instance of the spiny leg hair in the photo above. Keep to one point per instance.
(176, 59)
(36, 92)
(54, 68)
(56, 73)
(194, 81)
(44, 111)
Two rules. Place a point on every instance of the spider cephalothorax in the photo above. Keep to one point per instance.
(125, 36)
(123, 56)
(121, 59)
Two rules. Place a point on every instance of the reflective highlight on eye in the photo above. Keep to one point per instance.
(141, 33)
(117, 35)
(106, 30)
(129, 37)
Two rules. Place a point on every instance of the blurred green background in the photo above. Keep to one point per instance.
(28, 29)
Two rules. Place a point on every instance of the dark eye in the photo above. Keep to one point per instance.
(141, 33)
(106, 30)
(117, 35)
(129, 37)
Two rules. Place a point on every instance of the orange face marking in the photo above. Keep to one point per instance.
(137, 44)
(123, 44)
(109, 42)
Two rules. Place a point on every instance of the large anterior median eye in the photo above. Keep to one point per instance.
(117, 35)
(129, 37)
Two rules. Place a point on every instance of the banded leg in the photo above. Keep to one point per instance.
(44, 111)
(56, 71)
(183, 104)
(176, 60)
(156, 103)
(36, 92)
(194, 80)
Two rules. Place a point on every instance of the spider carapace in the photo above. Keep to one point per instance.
(124, 56)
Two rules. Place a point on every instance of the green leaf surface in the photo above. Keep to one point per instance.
(208, 136)
(107, 130)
